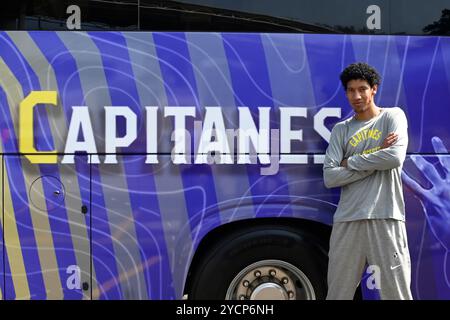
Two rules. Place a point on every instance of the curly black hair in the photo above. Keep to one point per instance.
(360, 71)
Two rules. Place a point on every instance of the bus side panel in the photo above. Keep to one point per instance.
(2, 264)
(148, 219)
(426, 192)
(139, 214)
(46, 232)
(309, 64)
(145, 235)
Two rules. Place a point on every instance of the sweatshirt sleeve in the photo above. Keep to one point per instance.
(388, 158)
(333, 174)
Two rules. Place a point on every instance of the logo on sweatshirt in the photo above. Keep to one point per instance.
(364, 135)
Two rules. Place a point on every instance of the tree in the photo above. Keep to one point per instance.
(440, 27)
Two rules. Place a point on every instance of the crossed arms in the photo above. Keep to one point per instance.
(338, 172)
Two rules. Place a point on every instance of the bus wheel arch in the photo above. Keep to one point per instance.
(285, 251)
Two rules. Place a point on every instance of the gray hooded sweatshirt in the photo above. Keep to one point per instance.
(372, 183)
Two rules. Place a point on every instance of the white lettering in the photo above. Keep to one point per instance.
(248, 132)
(111, 139)
(179, 133)
(80, 121)
(319, 121)
(214, 121)
(152, 134)
(287, 135)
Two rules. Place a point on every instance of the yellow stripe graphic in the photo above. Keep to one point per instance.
(79, 231)
(1, 207)
(12, 246)
(40, 221)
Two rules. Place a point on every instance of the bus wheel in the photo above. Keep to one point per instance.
(263, 263)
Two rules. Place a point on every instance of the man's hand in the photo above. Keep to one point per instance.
(389, 140)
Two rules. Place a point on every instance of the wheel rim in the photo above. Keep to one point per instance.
(270, 280)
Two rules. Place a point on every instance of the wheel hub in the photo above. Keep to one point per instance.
(270, 280)
(269, 291)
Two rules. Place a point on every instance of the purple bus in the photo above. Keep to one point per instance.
(171, 165)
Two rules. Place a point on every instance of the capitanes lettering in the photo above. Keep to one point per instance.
(253, 142)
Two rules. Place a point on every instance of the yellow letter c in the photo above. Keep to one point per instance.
(26, 130)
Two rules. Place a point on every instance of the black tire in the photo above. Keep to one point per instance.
(226, 259)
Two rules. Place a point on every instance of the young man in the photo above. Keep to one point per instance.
(365, 158)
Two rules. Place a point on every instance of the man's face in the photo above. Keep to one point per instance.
(360, 94)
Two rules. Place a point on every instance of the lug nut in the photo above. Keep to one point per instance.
(257, 274)
(246, 283)
(291, 294)
(285, 280)
(242, 297)
(272, 273)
